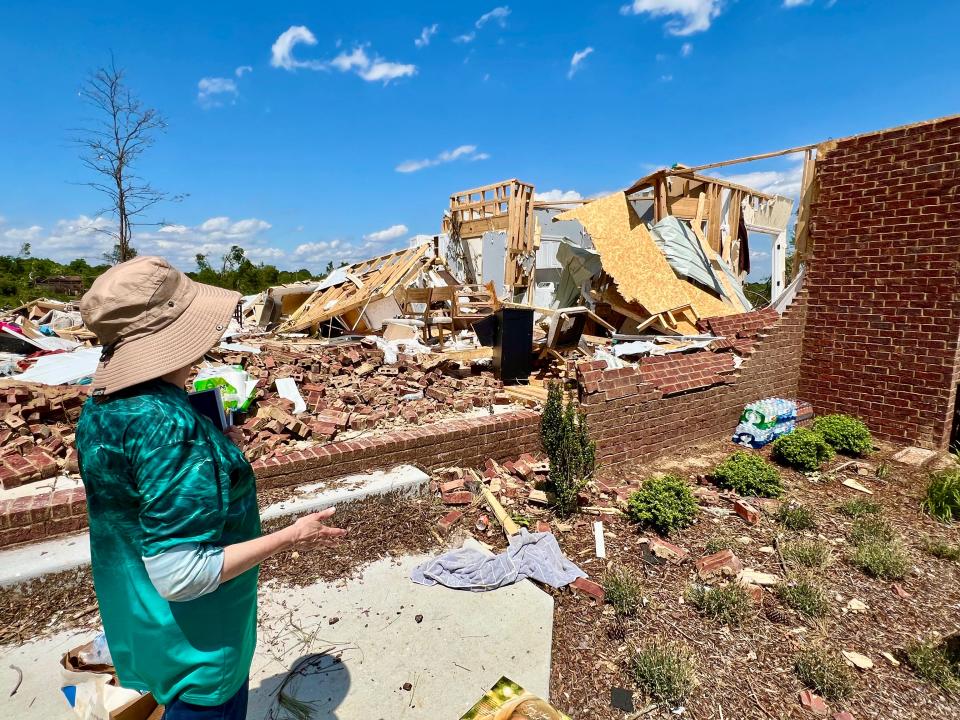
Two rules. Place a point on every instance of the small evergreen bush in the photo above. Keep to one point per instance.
(802, 449)
(623, 590)
(845, 434)
(794, 516)
(943, 495)
(807, 553)
(858, 508)
(930, 661)
(871, 528)
(665, 503)
(748, 475)
(803, 596)
(664, 671)
(881, 559)
(825, 673)
(729, 604)
(572, 454)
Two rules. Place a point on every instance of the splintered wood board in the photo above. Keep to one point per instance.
(629, 255)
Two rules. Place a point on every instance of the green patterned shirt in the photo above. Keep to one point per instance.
(158, 475)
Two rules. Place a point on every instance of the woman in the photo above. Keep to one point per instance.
(174, 527)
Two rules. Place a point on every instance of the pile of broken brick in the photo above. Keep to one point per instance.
(520, 486)
(37, 431)
(348, 388)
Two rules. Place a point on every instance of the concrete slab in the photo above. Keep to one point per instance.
(31, 561)
(462, 645)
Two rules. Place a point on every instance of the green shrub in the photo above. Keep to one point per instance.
(807, 553)
(858, 508)
(729, 604)
(795, 516)
(845, 434)
(718, 543)
(881, 559)
(825, 673)
(749, 475)
(942, 550)
(623, 589)
(665, 671)
(572, 454)
(943, 495)
(802, 449)
(803, 596)
(665, 503)
(871, 528)
(929, 661)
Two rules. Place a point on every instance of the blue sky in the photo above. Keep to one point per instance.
(309, 131)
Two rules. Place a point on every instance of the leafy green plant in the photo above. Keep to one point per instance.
(572, 454)
(795, 516)
(665, 671)
(942, 550)
(729, 604)
(749, 475)
(807, 553)
(804, 596)
(623, 589)
(856, 507)
(664, 503)
(801, 449)
(871, 528)
(824, 672)
(845, 433)
(943, 495)
(881, 559)
(929, 661)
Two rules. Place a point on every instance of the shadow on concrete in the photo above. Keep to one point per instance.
(320, 681)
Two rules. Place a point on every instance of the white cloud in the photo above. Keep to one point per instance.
(239, 72)
(554, 195)
(425, 35)
(796, 3)
(686, 49)
(686, 16)
(26, 234)
(465, 38)
(499, 14)
(774, 182)
(391, 233)
(356, 61)
(666, 78)
(281, 54)
(466, 152)
(759, 255)
(214, 91)
(578, 57)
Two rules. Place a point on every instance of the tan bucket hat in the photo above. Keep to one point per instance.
(151, 319)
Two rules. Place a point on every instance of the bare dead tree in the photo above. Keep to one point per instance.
(111, 146)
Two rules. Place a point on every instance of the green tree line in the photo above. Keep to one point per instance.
(22, 276)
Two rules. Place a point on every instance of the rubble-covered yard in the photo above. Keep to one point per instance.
(748, 671)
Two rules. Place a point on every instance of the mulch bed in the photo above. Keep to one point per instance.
(747, 672)
(385, 526)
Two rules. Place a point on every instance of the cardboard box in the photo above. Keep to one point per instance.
(144, 707)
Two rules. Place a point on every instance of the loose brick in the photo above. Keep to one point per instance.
(748, 512)
(590, 588)
(450, 519)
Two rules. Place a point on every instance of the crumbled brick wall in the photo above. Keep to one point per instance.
(884, 282)
(636, 415)
(460, 442)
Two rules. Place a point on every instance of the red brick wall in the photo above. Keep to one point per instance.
(633, 419)
(466, 443)
(884, 282)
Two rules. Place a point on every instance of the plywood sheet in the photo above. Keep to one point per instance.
(629, 254)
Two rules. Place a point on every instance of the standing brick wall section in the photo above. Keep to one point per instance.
(884, 282)
(634, 420)
(466, 442)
